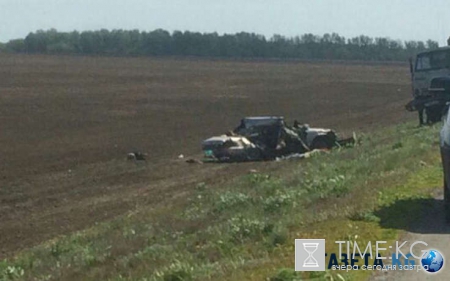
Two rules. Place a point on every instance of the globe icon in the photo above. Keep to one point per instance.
(432, 261)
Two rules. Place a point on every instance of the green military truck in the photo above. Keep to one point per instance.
(429, 71)
(430, 77)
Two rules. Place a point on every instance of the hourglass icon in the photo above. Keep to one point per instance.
(310, 260)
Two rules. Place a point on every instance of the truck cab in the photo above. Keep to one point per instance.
(428, 70)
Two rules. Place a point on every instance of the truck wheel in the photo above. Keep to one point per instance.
(446, 202)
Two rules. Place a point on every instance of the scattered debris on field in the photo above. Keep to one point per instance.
(194, 161)
(137, 156)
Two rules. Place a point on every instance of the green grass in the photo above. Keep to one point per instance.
(244, 229)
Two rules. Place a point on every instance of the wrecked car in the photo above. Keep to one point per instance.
(267, 138)
(232, 148)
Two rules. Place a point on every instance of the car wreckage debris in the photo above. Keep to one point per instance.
(137, 156)
(194, 161)
(269, 138)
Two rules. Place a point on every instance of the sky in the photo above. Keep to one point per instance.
(397, 19)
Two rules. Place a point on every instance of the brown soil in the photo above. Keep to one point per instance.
(67, 123)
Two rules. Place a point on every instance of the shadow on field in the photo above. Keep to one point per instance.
(419, 215)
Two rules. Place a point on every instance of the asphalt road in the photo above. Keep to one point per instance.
(432, 229)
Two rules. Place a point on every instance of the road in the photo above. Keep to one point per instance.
(433, 230)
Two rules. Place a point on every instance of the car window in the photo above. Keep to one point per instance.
(438, 60)
(433, 60)
(423, 63)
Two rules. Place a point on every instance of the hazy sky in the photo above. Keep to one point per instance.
(398, 19)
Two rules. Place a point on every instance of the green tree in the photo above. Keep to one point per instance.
(16, 45)
(241, 45)
(432, 44)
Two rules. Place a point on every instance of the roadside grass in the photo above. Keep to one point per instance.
(245, 229)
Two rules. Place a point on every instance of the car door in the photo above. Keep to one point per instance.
(445, 155)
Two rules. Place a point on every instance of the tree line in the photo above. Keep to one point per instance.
(239, 45)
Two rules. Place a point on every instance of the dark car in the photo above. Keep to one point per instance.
(445, 154)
